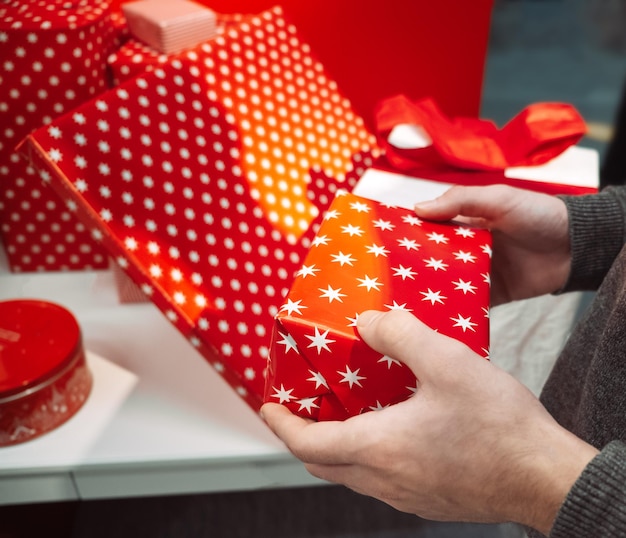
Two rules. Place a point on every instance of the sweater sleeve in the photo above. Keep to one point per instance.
(597, 228)
(596, 504)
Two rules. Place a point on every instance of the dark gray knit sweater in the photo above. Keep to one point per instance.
(586, 391)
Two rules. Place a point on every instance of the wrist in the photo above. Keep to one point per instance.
(553, 469)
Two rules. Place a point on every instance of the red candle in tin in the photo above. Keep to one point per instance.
(44, 378)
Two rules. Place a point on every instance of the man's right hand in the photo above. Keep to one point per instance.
(531, 246)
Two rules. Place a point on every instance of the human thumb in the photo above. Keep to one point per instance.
(400, 335)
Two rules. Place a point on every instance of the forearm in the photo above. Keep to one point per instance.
(553, 462)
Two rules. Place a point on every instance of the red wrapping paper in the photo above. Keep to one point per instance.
(537, 134)
(375, 49)
(365, 46)
(368, 255)
(135, 57)
(54, 58)
(207, 180)
(473, 151)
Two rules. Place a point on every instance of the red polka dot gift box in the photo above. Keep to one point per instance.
(206, 180)
(53, 58)
(368, 255)
(135, 57)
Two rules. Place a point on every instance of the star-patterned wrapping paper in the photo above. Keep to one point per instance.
(206, 180)
(369, 255)
(53, 58)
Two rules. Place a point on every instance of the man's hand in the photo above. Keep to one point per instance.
(472, 444)
(531, 247)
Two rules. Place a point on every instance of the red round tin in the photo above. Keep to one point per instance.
(44, 378)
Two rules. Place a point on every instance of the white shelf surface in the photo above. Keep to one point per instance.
(159, 419)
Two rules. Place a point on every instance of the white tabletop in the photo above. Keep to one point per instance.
(158, 420)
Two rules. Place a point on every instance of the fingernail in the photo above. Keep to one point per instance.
(367, 317)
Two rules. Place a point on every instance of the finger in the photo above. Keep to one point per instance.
(360, 479)
(326, 443)
(400, 335)
(329, 456)
(476, 202)
(337, 474)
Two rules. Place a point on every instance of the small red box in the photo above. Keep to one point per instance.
(369, 255)
(170, 27)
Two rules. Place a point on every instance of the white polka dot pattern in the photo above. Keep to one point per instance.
(53, 58)
(199, 178)
(135, 57)
(291, 116)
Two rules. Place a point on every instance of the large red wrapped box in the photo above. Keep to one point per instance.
(369, 255)
(54, 58)
(206, 180)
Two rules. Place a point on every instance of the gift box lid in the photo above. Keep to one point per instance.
(38, 340)
(369, 255)
(44, 377)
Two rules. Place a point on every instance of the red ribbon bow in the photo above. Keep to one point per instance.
(536, 135)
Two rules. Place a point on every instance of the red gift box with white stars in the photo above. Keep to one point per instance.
(368, 255)
(206, 180)
(53, 59)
